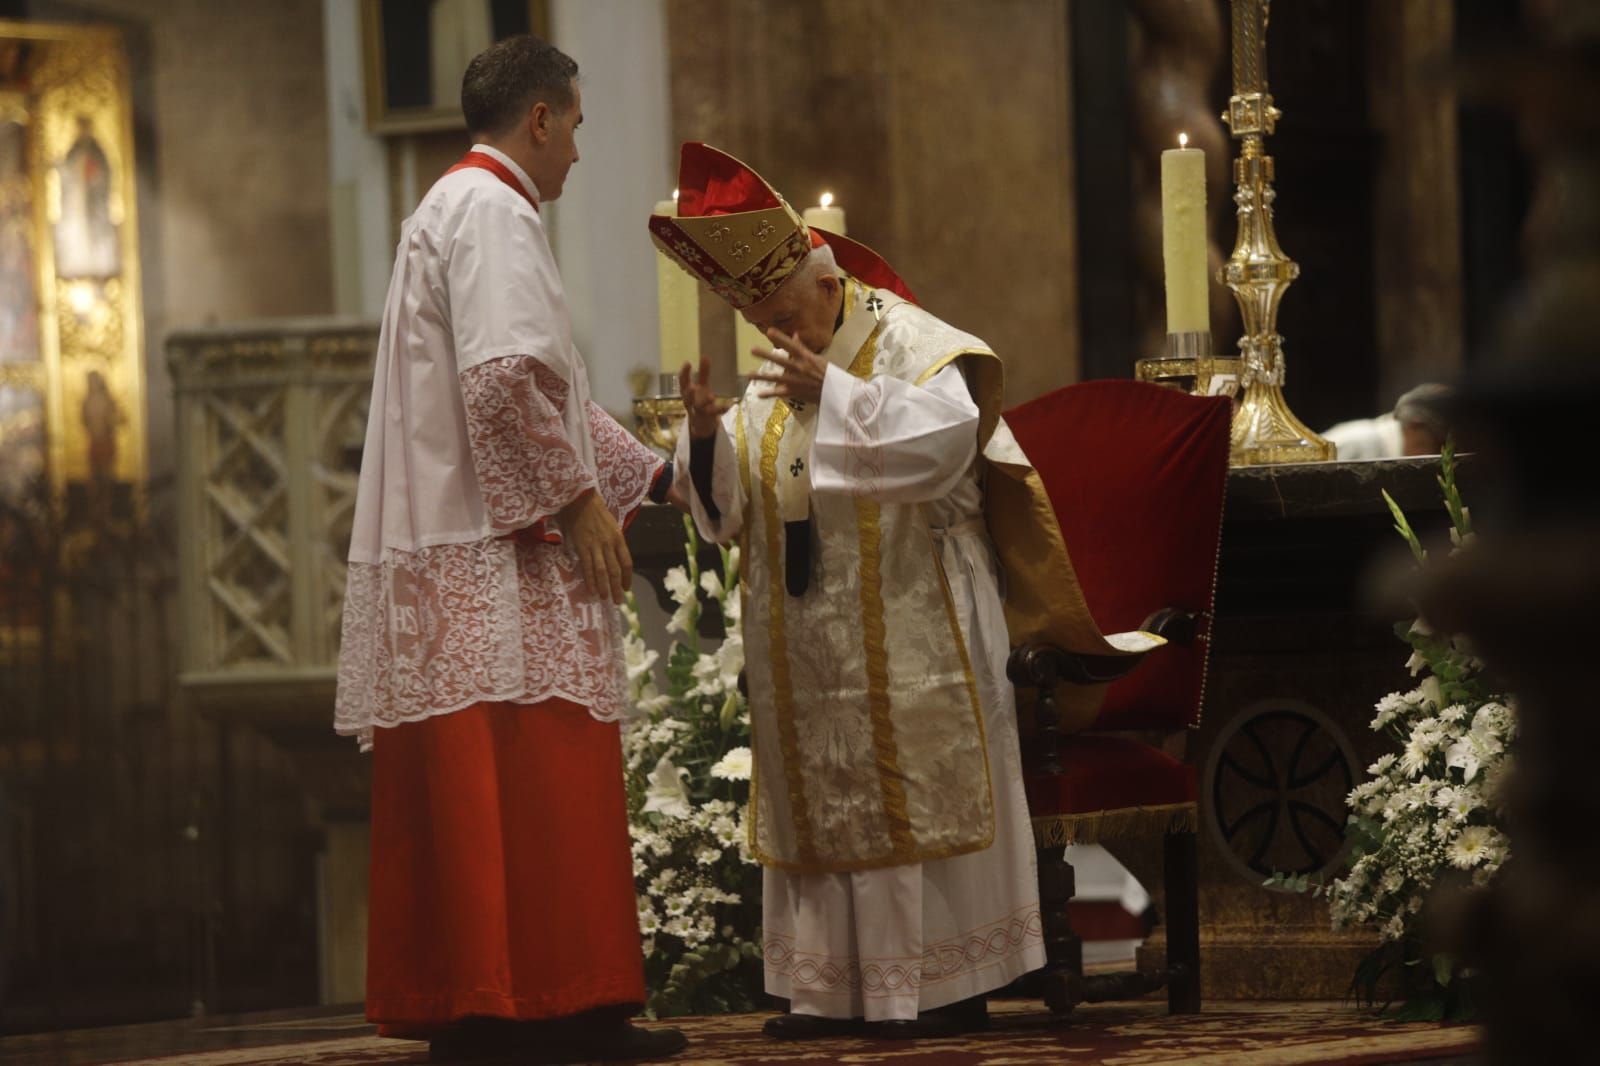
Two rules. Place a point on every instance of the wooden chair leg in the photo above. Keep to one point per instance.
(1181, 872)
(1063, 972)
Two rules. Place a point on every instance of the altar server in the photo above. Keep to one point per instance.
(481, 657)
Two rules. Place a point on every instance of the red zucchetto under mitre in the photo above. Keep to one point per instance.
(738, 236)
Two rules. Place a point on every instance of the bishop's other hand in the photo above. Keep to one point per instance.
(801, 370)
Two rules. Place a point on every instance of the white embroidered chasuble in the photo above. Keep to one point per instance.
(480, 430)
(867, 731)
(886, 940)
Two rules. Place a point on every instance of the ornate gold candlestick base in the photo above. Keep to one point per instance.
(1264, 429)
(1258, 272)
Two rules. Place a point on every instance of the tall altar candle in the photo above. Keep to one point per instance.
(825, 215)
(1183, 237)
(678, 303)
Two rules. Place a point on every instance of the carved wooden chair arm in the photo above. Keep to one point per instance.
(1038, 664)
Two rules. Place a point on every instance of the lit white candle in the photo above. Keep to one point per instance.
(1183, 237)
(678, 304)
(825, 215)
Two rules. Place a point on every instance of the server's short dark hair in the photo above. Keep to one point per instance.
(506, 79)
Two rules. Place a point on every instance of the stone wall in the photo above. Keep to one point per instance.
(942, 127)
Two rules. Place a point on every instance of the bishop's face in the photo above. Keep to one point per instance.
(807, 307)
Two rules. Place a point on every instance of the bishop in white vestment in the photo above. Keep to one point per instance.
(888, 806)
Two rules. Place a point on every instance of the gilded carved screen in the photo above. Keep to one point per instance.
(71, 362)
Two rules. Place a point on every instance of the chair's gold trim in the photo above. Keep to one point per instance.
(1059, 830)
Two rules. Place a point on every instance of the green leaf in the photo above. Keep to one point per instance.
(1403, 527)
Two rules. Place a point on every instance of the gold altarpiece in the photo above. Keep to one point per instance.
(72, 411)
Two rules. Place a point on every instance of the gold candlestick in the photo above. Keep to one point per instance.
(1258, 272)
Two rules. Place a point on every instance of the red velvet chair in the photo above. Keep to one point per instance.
(1136, 474)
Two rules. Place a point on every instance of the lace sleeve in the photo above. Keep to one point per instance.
(626, 468)
(527, 469)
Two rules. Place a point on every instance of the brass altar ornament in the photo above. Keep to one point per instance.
(1264, 429)
(1190, 365)
(657, 419)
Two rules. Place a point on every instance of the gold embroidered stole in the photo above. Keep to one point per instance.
(868, 735)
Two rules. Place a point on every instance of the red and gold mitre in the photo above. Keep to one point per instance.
(737, 235)
(732, 231)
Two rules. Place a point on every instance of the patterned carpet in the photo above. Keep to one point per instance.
(1129, 1034)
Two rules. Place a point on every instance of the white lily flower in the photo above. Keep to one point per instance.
(666, 792)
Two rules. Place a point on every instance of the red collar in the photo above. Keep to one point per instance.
(483, 161)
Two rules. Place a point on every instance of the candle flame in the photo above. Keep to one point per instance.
(674, 195)
(827, 199)
(1183, 140)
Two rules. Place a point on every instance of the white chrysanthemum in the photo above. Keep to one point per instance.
(1381, 767)
(1394, 928)
(707, 856)
(1415, 756)
(734, 766)
(666, 792)
(1473, 846)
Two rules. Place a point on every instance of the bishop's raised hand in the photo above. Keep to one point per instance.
(700, 399)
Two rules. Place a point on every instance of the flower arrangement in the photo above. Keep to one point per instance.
(687, 760)
(1430, 810)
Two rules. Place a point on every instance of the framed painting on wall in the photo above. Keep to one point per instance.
(416, 51)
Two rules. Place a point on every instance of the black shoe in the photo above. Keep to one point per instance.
(611, 1043)
(810, 1027)
(964, 1016)
(972, 1014)
(475, 1039)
